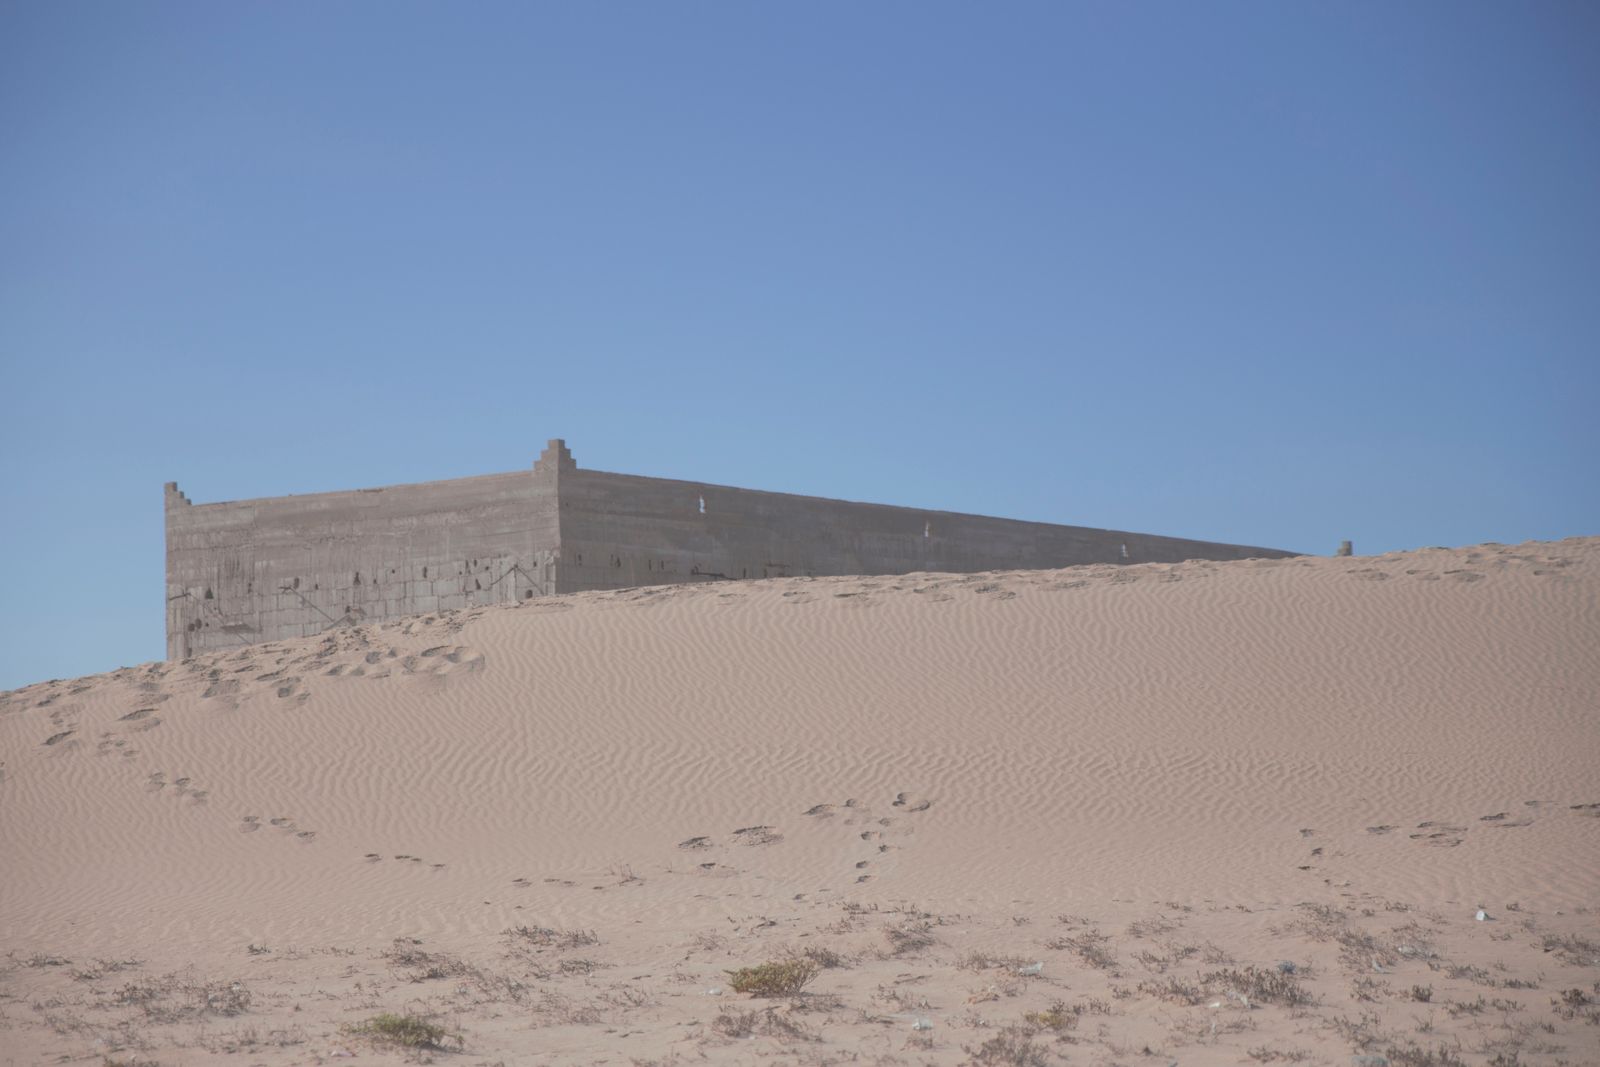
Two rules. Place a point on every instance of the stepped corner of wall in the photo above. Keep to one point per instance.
(555, 458)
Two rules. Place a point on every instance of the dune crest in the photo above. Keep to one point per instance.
(969, 800)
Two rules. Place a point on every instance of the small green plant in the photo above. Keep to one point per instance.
(1422, 994)
(775, 978)
(406, 1031)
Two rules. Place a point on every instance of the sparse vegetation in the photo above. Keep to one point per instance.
(1573, 949)
(1422, 994)
(545, 937)
(775, 978)
(1423, 1056)
(767, 1023)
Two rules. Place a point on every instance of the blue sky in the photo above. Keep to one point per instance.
(1280, 274)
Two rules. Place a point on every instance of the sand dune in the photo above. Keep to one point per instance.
(1139, 777)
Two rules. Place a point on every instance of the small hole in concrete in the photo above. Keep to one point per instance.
(527, 594)
(208, 593)
(424, 572)
(297, 583)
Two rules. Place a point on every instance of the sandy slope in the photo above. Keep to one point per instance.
(1212, 765)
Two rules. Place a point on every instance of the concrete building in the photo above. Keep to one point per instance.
(258, 570)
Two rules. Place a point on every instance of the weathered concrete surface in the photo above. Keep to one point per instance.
(258, 570)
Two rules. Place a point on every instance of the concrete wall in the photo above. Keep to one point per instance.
(619, 530)
(258, 570)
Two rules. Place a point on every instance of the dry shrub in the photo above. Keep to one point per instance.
(414, 965)
(1011, 1047)
(775, 978)
(908, 937)
(826, 958)
(1573, 949)
(767, 1023)
(406, 1031)
(1260, 986)
(1090, 947)
(1058, 1017)
(174, 997)
(982, 961)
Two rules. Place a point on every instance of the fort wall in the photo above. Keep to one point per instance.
(243, 572)
(619, 531)
(247, 571)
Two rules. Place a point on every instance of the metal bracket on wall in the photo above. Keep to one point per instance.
(515, 567)
(291, 589)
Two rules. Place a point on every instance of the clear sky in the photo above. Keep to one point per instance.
(1274, 273)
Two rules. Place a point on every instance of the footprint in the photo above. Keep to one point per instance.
(58, 738)
(695, 842)
(819, 809)
(249, 824)
(757, 835)
(221, 688)
(306, 836)
(155, 782)
(1381, 829)
(372, 857)
(911, 803)
(135, 716)
(1437, 840)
